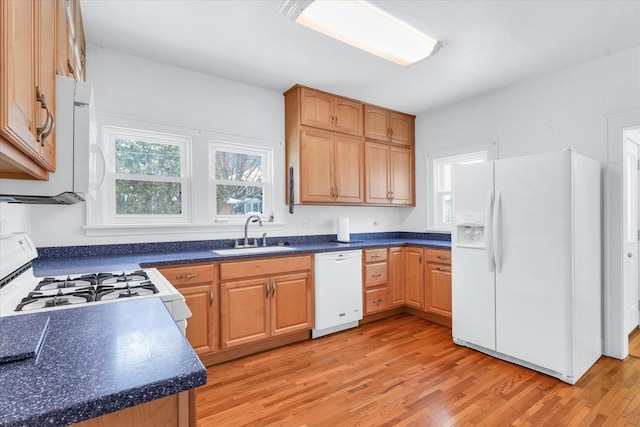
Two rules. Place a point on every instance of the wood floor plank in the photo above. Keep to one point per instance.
(405, 371)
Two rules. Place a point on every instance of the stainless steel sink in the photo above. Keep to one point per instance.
(256, 250)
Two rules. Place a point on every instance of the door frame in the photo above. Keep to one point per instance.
(616, 341)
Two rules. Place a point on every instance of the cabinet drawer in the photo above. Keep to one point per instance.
(375, 274)
(375, 255)
(376, 300)
(264, 267)
(189, 274)
(440, 256)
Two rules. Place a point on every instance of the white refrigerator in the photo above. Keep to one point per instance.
(526, 261)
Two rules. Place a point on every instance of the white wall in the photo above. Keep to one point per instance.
(564, 109)
(144, 90)
(14, 219)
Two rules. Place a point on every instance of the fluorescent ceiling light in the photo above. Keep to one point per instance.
(363, 25)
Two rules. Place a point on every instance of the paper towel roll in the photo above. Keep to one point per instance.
(343, 230)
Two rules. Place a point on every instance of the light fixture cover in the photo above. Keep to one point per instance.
(363, 25)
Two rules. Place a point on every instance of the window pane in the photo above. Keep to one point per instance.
(238, 166)
(444, 177)
(238, 199)
(446, 209)
(148, 197)
(147, 158)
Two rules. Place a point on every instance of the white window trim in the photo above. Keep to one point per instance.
(109, 133)
(266, 184)
(201, 222)
(491, 148)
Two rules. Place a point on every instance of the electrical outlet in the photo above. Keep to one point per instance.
(306, 222)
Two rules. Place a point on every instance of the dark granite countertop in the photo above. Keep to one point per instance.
(95, 360)
(70, 264)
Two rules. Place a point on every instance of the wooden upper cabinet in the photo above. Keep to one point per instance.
(388, 126)
(332, 156)
(388, 174)
(325, 111)
(27, 86)
(333, 167)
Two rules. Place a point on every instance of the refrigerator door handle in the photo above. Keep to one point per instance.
(488, 231)
(497, 232)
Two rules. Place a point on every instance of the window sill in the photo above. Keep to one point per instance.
(154, 229)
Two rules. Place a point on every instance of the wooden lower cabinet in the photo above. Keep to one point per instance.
(438, 284)
(414, 285)
(197, 283)
(177, 410)
(257, 308)
(395, 261)
(438, 298)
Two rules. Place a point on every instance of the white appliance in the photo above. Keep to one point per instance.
(23, 293)
(338, 291)
(526, 255)
(76, 148)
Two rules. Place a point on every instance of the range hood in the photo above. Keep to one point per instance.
(75, 148)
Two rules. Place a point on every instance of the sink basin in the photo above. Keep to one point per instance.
(257, 250)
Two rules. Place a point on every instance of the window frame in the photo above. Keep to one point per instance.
(456, 155)
(110, 134)
(266, 184)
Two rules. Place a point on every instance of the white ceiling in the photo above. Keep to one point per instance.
(487, 44)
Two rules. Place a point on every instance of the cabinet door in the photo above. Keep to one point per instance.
(244, 311)
(376, 166)
(415, 277)
(401, 128)
(438, 298)
(348, 116)
(376, 123)
(201, 325)
(348, 168)
(396, 280)
(317, 174)
(291, 303)
(316, 109)
(46, 78)
(19, 75)
(401, 176)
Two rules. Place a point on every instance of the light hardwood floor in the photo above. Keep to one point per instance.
(405, 371)
(634, 343)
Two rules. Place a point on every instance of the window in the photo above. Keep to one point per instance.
(241, 179)
(148, 176)
(439, 179)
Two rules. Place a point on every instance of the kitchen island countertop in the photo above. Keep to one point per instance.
(95, 360)
(132, 261)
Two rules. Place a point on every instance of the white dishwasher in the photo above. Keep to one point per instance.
(338, 291)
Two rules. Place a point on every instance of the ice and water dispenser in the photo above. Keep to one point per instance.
(471, 229)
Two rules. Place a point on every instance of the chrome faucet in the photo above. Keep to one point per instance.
(252, 218)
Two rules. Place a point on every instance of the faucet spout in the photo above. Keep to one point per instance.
(252, 218)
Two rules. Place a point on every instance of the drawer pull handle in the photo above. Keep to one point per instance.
(266, 285)
(442, 257)
(273, 289)
(376, 256)
(210, 298)
(186, 276)
(443, 269)
(376, 275)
